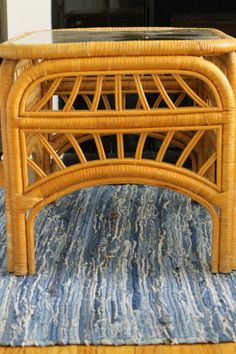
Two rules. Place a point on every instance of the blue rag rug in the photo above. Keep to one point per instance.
(116, 265)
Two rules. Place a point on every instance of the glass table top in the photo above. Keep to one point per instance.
(80, 36)
(120, 41)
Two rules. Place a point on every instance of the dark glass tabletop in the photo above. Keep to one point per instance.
(128, 41)
(75, 36)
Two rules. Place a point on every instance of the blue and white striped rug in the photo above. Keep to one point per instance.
(118, 265)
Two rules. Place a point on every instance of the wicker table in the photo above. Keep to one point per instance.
(165, 88)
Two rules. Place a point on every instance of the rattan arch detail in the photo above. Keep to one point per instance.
(135, 173)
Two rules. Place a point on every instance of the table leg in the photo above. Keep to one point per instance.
(6, 79)
(230, 64)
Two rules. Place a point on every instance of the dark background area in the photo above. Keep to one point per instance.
(181, 13)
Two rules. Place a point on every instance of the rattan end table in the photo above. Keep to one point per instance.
(168, 87)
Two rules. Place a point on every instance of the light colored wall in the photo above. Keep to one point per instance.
(27, 15)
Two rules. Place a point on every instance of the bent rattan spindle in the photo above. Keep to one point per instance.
(180, 140)
(39, 134)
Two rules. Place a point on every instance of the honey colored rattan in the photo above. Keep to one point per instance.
(161, 75)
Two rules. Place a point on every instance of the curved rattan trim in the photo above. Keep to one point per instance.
(170, 172)
(199, 68)
(120, 174)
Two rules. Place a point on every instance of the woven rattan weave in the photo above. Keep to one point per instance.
(171, 89)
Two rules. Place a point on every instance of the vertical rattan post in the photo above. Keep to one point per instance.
(6, 79)
(230, 64)
(18, 212)
(227, 209)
